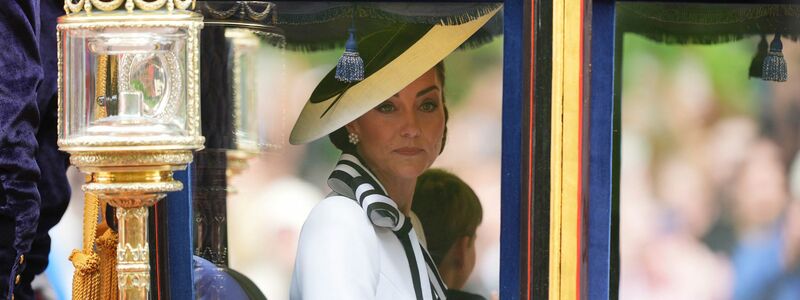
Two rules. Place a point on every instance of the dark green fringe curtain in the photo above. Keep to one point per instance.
(672, 23)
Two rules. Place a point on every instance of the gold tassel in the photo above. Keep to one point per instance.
(86, 280)
(107, 247)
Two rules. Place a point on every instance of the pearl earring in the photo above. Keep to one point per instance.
(353, 138)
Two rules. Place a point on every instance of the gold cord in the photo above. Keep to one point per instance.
(86, 281)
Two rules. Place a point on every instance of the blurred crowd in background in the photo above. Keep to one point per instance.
(269, 201)
(710, 173)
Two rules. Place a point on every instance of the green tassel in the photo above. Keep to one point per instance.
(774, 68)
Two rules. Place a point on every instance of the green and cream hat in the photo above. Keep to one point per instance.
(393, 58)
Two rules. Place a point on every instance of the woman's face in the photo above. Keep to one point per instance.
(402, 136)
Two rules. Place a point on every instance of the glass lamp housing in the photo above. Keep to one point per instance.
(129, 81)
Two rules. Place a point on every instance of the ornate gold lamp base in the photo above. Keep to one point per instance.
(132, 182)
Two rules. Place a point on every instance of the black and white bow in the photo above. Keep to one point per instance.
(351, 179)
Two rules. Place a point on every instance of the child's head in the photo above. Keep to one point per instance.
(450, 213)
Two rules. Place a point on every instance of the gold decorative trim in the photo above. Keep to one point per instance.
(193, 80)
(133, 254)
(138, 280)
(258, 16)
(129, 5)
(106, 5)
(125, 177)
(132, 200)
(184, 4)
(132, 188)
(222, 15)
(158, 142)
(151, 5)
(108, 159)
(117, 18)
(243, 8)
(69, 6)
(59, 55)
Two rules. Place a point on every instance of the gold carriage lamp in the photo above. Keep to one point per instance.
(129, 111)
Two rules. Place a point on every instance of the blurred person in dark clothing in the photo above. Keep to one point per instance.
(34, 191)
(450, 213)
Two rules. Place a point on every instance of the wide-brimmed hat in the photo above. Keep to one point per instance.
(393, 58)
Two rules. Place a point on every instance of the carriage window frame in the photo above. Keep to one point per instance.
(179, 266)
(605, 155)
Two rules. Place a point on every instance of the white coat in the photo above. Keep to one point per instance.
(341, 255)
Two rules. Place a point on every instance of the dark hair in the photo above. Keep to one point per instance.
(339, 136)
(448, 209)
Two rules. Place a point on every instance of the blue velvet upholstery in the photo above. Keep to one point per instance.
(212, 282)
(33, 187)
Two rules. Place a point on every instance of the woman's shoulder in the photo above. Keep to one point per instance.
(337, 207)
(337, 214)
(335, 203)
